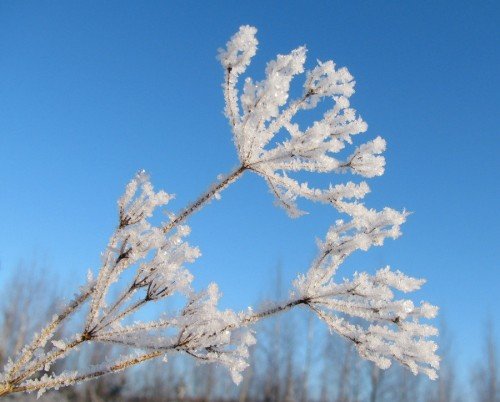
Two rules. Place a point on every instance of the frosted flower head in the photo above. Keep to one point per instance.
(264, 109)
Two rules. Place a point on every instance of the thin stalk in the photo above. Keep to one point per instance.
(272, 311)
(123, 314)
(11, 387)
(204, 198)
(85, 377)
(36, 366)
(39, 340)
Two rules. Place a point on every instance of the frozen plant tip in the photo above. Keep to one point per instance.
(148, 263)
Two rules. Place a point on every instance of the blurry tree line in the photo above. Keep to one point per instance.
(294, 360)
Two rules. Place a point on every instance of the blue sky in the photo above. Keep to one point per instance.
(91, 92)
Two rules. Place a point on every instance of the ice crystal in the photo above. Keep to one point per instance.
(365, 309)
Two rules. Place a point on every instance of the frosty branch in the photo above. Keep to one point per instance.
(363, 310)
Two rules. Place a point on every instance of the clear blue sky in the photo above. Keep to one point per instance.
(91, 92)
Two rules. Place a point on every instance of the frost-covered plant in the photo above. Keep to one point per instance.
(363, 310)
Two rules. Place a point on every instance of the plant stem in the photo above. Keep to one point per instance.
(44, 335)
(6, 389)
(10, 387)
(205, 197)
(88, 376)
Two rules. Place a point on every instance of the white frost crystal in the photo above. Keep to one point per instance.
(266, 110)
(363, 309)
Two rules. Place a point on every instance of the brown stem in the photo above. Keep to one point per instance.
(123, 314)
(273, 310)
(84, 377)
(39, 340)
(9, 388)
(126, 294)
(36, 366)
(204, 198)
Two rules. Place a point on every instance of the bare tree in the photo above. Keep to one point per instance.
(306, 369)
(25, 304)
(249, 379)
(376, 377)
(486, 380)
(403, 386)
(446, 387)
